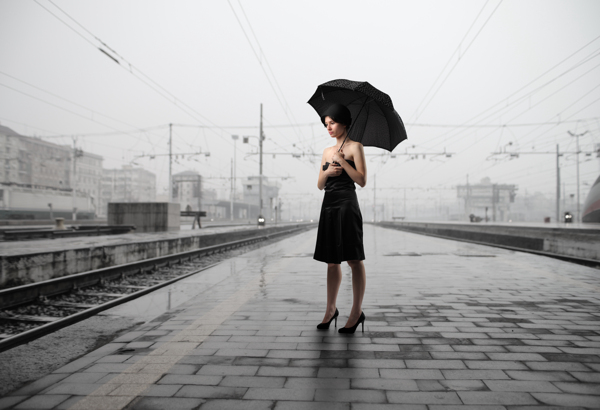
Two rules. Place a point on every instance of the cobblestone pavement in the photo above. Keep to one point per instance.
(449, 326)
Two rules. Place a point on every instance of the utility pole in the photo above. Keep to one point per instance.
(231, 202)
(557, 185)
(558, 154)
(494, 201)
(76, 153)
(170, 162)
(74, 183)
(404, 202)
(233, 179)
(468, 201)
(375, 198)
(577, 149)
(260, 176)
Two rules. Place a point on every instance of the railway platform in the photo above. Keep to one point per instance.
(449, 325)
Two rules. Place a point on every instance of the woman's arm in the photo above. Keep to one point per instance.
(358, 175)
(332, 170)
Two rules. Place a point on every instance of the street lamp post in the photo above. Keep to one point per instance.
(578, 219)
(235, 138)
(261, 137)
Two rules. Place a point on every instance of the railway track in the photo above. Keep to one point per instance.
(31, 311)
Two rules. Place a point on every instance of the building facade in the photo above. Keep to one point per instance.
(187, 189)
(487, 201)
(34, 163)
(88, 176)
(38, 179)
(270, 193)
(127, 184)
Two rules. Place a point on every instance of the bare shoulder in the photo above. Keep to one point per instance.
(326, 151)
(355, 149)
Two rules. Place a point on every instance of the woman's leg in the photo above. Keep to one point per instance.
(334, 279)
(359, 283)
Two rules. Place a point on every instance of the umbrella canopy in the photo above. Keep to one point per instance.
(375, 122)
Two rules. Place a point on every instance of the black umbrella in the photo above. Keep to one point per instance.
(375, 122)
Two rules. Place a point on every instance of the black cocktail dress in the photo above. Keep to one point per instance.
(340, 234)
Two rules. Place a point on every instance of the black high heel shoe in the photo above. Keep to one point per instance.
(352, 329)
(325, 326)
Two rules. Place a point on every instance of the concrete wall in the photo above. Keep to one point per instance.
(18, 270)
(146, 216)
(574, 242)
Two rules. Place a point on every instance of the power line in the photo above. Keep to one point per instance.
(147, 80)
(71, 102)
(64, 109)
(588, 58)
(503, 101)
(459, 57)
(284, 104)
(449, 60)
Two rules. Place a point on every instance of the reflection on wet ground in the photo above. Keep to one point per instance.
(448, 323)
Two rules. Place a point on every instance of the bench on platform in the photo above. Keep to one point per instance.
(196, 215)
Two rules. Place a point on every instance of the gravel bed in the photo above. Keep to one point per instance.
(81, 295)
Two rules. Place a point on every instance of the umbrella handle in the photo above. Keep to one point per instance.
(353, 122)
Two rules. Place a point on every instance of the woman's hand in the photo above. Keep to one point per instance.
(338, 156)
(333, 170)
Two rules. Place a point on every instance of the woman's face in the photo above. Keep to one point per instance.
(335, 129)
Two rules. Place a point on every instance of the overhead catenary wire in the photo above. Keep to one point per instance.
(64, 109)
(588, 58)
(76, 104)
(279, 94)
(507, 99)
(136, 72)
(448, 62)
(419, 113)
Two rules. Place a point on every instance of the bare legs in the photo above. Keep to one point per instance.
(359, 283)
(334, 279)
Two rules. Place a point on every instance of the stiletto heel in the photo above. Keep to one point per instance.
(325, 326)
(361, 320)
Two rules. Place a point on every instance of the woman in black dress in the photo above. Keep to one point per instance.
(340, 236)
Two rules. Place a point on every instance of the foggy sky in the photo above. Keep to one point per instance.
(214, 72)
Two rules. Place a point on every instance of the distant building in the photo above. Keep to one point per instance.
(534, 207)
(270, 193)
(34, 163)
(36, 178)
(487, 200)
(127, 184)
(187, 188)
(88, 176)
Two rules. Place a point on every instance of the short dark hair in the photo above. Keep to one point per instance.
(339, 113)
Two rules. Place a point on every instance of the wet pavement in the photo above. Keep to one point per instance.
(449, 325)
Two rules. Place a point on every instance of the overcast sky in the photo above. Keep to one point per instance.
(467, 77)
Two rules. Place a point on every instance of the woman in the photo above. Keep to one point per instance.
(340, 225)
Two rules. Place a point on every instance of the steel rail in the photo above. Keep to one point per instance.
(19, 295)
(71, 282)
